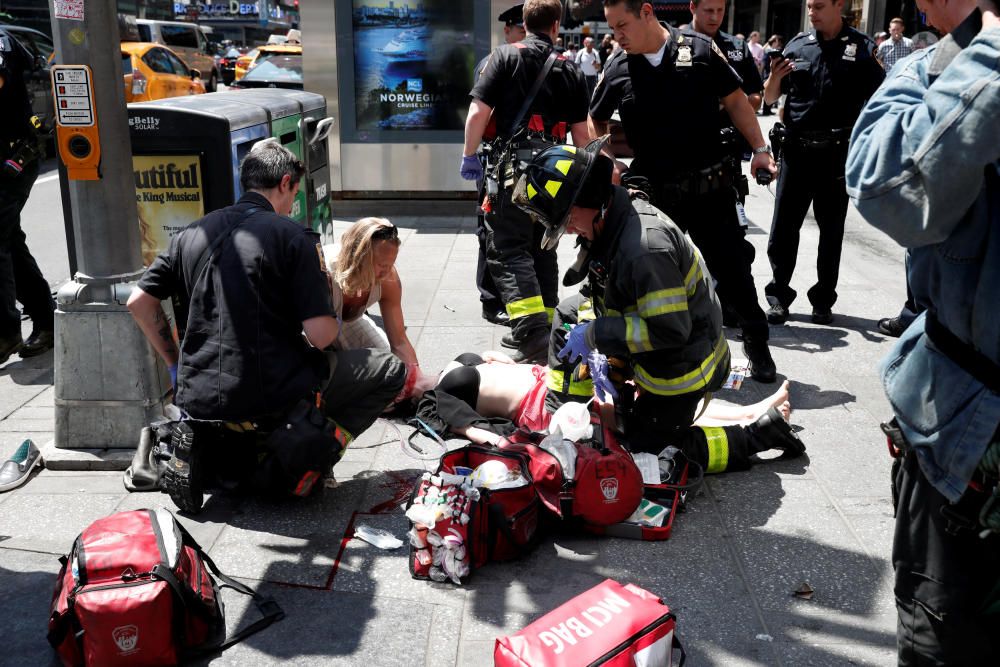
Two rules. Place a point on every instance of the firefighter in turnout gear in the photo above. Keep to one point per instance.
(649, 305)
(531, 96)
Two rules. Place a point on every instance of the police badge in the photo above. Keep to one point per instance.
(850, 52)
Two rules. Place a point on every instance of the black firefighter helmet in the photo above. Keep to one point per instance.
(554, 180)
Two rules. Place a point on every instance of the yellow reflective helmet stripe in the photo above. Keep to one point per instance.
(663, 301)
(637, 334)
(525, 307)
(569, 148)
(692, 381)
(563, 166)
(531, 191)
(718, 448)
(552, 187)
(556, 381)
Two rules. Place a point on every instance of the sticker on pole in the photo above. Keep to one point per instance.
(74, 95)
(69, 9)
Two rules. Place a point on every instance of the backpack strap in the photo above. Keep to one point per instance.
(269, 609)
(535, 87)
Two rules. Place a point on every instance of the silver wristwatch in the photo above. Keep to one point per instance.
(762, 149)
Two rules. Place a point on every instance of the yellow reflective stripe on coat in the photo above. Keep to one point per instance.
(637, 334)
(663, 301)
(525, 307)
(692, 381)
(718, 448)
(551, 313)
(694, 275)
(556, 381)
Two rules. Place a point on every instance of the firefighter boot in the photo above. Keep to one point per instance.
(771, 431)
(182, 477)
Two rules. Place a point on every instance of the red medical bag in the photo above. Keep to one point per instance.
(611, 624)
(136, 589)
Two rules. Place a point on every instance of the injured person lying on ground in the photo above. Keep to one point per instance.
(476, 395)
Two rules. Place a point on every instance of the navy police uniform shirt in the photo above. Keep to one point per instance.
(242, 352)
(741, 60)
(670, 113)
(510, 73)
(831, 81)
(15, 105)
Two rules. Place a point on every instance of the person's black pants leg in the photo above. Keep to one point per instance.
(942, 579)
(792, 199)
(546, 271)
(830, 209)
(489, 295)
(510, 233)
(20, 278)
(362, 384)
(715, 228)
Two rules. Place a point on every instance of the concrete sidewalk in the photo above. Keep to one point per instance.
(744, 545)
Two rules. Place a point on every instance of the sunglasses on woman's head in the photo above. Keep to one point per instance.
(385, 233)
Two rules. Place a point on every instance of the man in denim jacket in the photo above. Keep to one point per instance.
(924, 167)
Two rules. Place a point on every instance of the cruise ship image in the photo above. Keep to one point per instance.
(407, 45)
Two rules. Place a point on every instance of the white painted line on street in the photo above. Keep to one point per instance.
(46, 179)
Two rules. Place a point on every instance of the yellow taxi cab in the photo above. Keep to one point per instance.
(152, 72)
(247, 60)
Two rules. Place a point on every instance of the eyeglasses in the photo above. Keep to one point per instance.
(385, 233)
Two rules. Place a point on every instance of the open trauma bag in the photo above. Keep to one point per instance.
(594, 481)
(136, 589)
(611, 624)
(459, 526)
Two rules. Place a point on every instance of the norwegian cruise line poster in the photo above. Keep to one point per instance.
(413, 62)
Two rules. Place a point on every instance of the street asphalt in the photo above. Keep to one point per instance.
(746, 543)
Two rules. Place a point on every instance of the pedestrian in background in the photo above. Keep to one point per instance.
(827, 74)
(525, 273)
(756, 50)
(589, 61)
(924, 167)
(20, 153)
(896, 47)
(606, 48)
(667, 86)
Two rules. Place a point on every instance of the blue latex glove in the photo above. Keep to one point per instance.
(173, 376)
(598, 365)
(576, 346)
(472, 168)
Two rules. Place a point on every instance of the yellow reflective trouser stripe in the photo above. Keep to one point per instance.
(637, 334)
(586, 311)
(556, 381)
(525, 307)
(551, 313)
(694, 275)
(688, 382)
(718, 448)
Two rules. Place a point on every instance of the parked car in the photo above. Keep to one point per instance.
(152, 72)
(274, 70)
(187, 40)
(39, 81)
(246, 61)
(227, 65)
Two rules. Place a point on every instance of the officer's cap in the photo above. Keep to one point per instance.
(513, 16)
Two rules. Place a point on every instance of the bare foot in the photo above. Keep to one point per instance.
(778, 399)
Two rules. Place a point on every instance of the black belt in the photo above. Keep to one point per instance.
(820, 139)
(964, 355)
(699, 182)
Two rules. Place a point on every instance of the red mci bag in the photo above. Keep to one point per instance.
(611, 624)
(136, 589)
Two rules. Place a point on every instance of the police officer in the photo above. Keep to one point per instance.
(489, 295)
(20, 278)
(707, 17)
(827, 73)
(667, 86)
(649, 303)
(525, 273)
